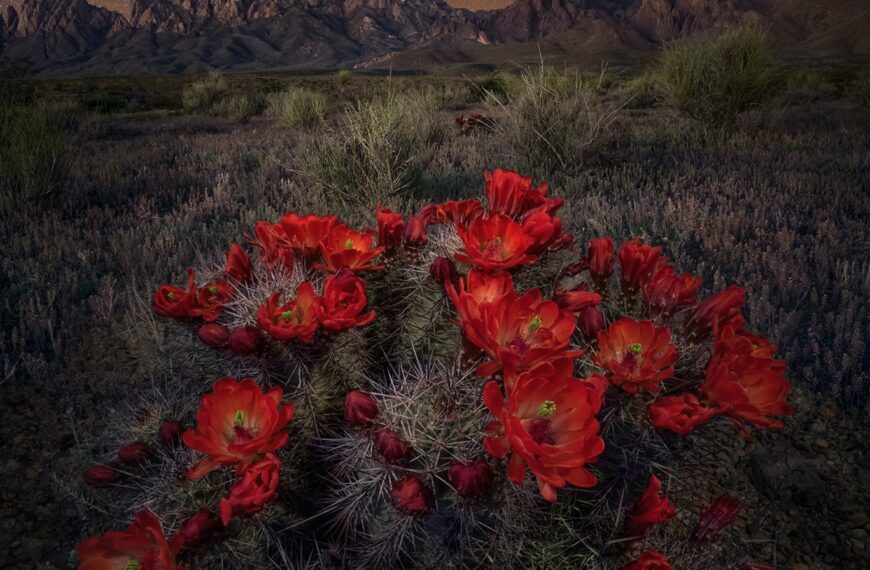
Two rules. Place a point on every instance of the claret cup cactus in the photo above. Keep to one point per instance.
(470, 386)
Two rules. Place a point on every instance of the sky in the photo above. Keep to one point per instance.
(123, 6)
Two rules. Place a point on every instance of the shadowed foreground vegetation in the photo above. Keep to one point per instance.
(778, 202)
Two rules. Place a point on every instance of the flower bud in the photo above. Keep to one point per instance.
(470, 479)
(590, 320)
(390, 445)
(214, 335)
(134, 453)
(170, 432)
(415, 232)
(443, 271)
(360, 409)
(199, 528)
(101, 476)
(411, 496)
(716, 517)
(244, 340)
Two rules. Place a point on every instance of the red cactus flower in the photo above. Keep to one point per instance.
(244, 340)
(344, 247)
(666, 292)
(411, 496)
(577, 300)
(546, 233)
(479, 291)
(721, 309)
(495, 243)
(509, 193)
(636, 354)
(238, 266)
(679, 414)
(649, 510)
(650, 560)
(169, 433)
(143, 545)
(258, 486)
(295, 319)
(210, 300)
(638, 261)
(305, 233)
(343, 302)
(390, 445)
(390, 228)
(521, 331)
(415, 234)
(443, 271)
(135, 453)
(470, 479)
(590, 321)
(599, 258)
(101, 476)
(214, 335)
(716, 516)
(199, 528)
(455, 212)
(236, 425)
(272, 241)
(175, 302)
(548, 423)
(360, 409)
(744, 382)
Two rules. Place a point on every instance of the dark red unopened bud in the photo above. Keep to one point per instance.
(199, 528)
(170, 432)
(716, 517)
(244, 340)
(590, 320)
(390, 445)
(101, 476)
(411, 496)
(360, 409)
(443, 271)
(415, 232)
(134, 453)
(470, 479)
(214, 335)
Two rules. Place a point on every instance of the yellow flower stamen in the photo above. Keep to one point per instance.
(348, 244)
(535, 323)
(132, 565)
(213, 290)
(636, 348)
(240, 418)
(170, 296)
(287, 315)
(547, 408)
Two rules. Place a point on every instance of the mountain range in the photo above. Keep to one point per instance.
(74, 37)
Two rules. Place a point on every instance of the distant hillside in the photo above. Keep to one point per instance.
(73, 37)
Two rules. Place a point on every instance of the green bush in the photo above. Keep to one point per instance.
(343, 78)
(714, 80)
(238, 107)
(202, 96)
(551, 121)
(299, 108)
(375, 153)
(498, 86)
(35, 142)
(640, 92)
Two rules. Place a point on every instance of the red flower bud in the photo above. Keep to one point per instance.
(442, 271)
(199, 528)
(390, 228)
(238, 264)
(134, 453)
(170, 432)
(716, 517)
(415, 232)
(390, 445)
(359, 409)
(244, 340)
(590, 320)
(470, 479)
(214, 335)
(411, 496)
(101, 476)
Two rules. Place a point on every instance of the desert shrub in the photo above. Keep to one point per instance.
(201, 96)
(238, 107)
(103, 102)
(499, 86)
(376, 150)
(34, 151)
(343, 78)
(553, 119)
(299, 108)
(714, 80)
(640, 92)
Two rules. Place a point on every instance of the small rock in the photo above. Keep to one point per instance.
(821, 443)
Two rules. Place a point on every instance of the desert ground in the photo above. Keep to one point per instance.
(135, 179)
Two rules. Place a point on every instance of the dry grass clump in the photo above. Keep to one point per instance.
(715, 80)
(299, 108)
(212, 96)
(551, 121)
